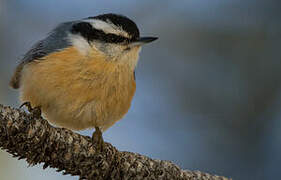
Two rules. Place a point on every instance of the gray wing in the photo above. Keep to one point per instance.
(55, 41)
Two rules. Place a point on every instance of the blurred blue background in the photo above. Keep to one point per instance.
(208, 91)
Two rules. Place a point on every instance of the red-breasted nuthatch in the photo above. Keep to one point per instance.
(82, 74)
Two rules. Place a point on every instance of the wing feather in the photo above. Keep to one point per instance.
(55, 41)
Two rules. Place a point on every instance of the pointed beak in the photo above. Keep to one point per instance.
(142, 40)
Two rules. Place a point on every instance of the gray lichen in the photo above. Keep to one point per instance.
(37, 141)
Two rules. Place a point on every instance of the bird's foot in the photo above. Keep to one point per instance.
(35, 112)
(98, 140)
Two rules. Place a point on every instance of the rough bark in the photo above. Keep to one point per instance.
(35, 140)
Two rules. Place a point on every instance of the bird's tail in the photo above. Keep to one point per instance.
(15, 81)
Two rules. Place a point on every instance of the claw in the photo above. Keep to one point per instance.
(98, 140)
(36, 112)
(28, 105)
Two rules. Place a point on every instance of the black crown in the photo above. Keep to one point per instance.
(90, 33)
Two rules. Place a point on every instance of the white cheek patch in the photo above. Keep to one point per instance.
(107, 27)
(80, 43)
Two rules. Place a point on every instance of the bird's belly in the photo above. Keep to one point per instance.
(71, 112)
(75, 100)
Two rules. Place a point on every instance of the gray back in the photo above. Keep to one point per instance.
(55, 41)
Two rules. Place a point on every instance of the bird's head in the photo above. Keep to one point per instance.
(115, 36)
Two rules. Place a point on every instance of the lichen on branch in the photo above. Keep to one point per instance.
(36, 141)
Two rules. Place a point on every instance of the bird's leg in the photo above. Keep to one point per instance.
(98, 140)
(36, 111)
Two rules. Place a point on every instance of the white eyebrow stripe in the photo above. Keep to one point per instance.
(107, 27)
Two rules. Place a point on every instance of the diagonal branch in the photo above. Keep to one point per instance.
(38, 142)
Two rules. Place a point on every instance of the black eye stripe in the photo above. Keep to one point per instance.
(88, 32)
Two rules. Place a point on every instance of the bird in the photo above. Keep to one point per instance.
(82, 74)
